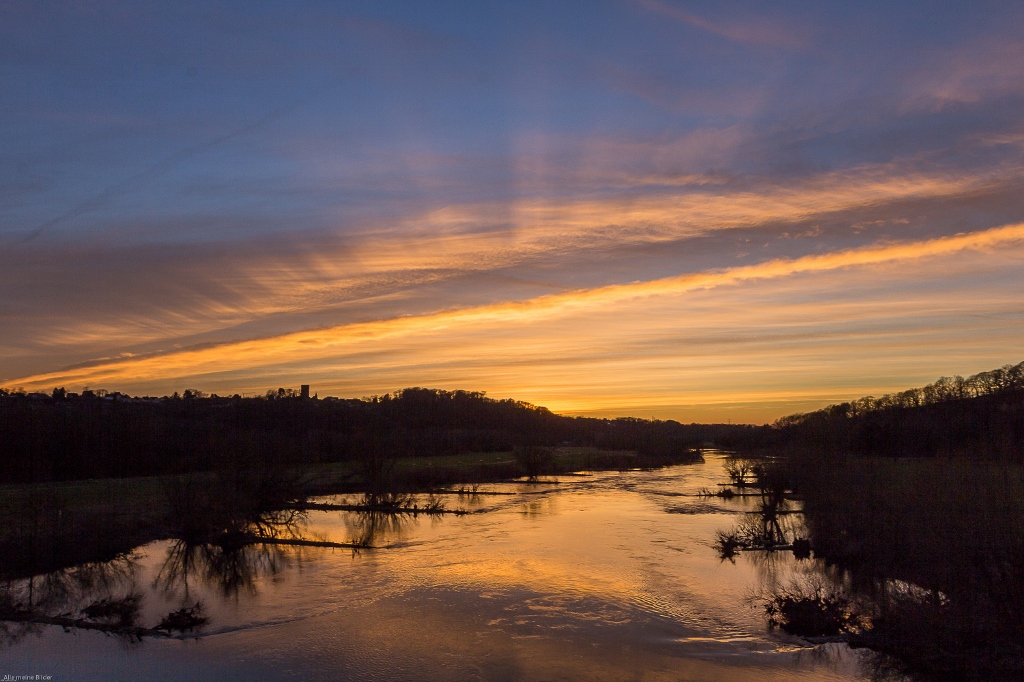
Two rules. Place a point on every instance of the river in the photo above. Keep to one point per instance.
(601, 576)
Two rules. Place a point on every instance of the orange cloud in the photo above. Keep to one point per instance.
(749, 334)
(427, 248)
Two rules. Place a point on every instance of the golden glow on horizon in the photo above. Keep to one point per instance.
(650, 211)
(760, 335)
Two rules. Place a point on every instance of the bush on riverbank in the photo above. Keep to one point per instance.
(936, 550)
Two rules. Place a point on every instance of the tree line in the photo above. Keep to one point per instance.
(979, 416)
(97, 434)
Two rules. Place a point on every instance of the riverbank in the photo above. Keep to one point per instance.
(606, 576)
(929, 555)
(53, 525)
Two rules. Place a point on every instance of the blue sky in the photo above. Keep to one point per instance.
(198, 176)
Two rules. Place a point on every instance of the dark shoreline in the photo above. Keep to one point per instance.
(49, 527)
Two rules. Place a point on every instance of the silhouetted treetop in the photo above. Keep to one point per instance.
(63, 435)
(978, 416)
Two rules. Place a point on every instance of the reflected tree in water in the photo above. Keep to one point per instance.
(230, 570)
(373, 528)
(102, 596)
(774, 525)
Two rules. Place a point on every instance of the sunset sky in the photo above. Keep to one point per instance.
(685, 210)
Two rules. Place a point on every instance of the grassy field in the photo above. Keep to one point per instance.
(51, 525)
(423, 473)
(146, 496)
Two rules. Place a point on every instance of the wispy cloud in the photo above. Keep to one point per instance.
(970, 73)
(155, 297)
(762, 32)
(538, 336)
(187, 293)
(602, 201)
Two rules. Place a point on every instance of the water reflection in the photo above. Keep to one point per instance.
(109, 596)
(376, 528)
(74, 586)
(594, 578)
(230, 570)
(922, 562)
(103, 592)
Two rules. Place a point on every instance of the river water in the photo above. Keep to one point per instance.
(605, 576)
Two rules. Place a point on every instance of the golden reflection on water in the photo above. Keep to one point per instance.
(608, 576)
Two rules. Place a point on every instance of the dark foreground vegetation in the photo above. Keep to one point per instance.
(980, 417)
(913, 511)
(64, 436)
(932, 553)
(86, 478)
(920, 560)
(906, 512)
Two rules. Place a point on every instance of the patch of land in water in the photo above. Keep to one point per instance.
(50, 526)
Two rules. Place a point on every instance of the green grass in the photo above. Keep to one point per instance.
(474, 466)
(146, 496)
(143, 498)
(461, 460)
(144, 492)
(54, 525)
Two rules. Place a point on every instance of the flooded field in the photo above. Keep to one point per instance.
(596, 576)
